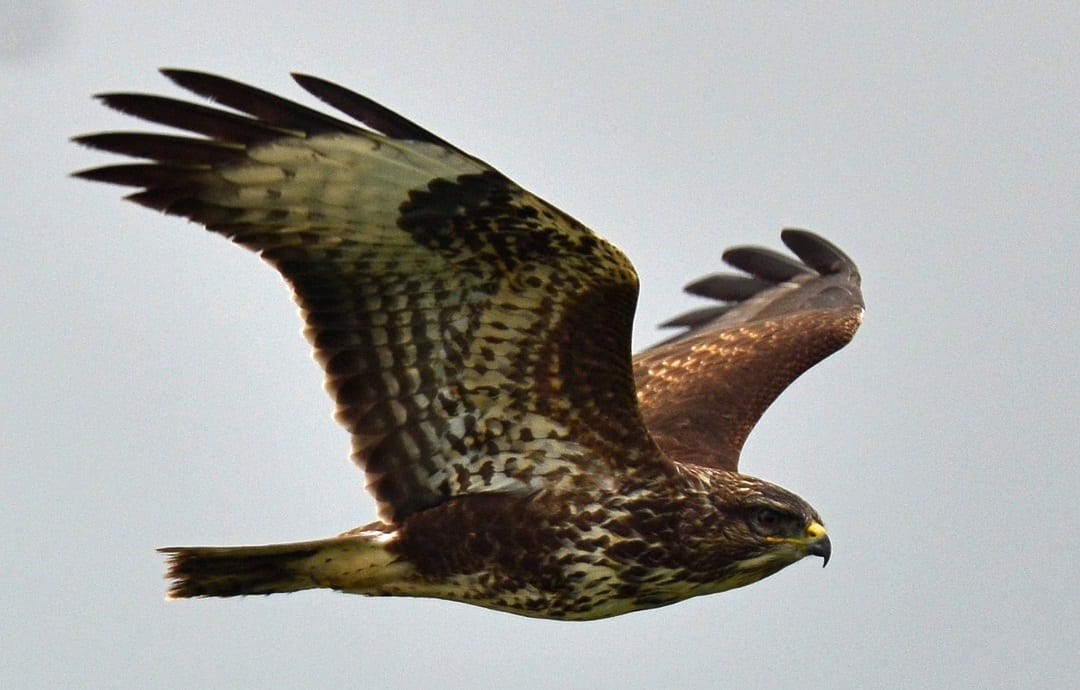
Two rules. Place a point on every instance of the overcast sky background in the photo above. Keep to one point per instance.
(156, 389)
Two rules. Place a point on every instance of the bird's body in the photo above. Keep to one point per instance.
(476, 340)
(632, 546)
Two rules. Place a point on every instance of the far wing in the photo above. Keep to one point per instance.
(702, 392)
(455, 314)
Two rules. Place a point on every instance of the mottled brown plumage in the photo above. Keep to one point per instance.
(476, 342)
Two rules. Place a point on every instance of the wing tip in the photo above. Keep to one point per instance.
(766, 269)
(817, 252)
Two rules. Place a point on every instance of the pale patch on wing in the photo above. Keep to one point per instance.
(352, 181)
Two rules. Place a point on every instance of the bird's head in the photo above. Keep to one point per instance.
(758, 529)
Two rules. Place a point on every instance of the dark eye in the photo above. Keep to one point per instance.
(769, 519)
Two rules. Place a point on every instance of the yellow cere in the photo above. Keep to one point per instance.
(815, 530)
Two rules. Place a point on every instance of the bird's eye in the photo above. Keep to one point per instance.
(769, 519)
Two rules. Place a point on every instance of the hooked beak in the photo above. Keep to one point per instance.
(817, 542)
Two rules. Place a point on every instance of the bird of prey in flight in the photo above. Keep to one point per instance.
(476, 341)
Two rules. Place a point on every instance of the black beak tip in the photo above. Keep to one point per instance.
(821, 547)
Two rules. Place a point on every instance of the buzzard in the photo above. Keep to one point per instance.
(476, 341)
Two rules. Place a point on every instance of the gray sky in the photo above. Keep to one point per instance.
(156, 390)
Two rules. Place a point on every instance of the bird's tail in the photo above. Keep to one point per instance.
(356, 562)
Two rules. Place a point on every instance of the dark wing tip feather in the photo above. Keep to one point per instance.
(259, 117)
(211, 122)
(727, 287)
(818, 253)
(225, 135)
(696, 317)
(163, 147)
(177, 201)
(263, 105)
(769, 265)
(139, 174)
(367, 112)
(768, 269)
(271, 116)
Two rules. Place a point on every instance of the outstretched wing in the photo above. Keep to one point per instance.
(475, 338)
(702, 391)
